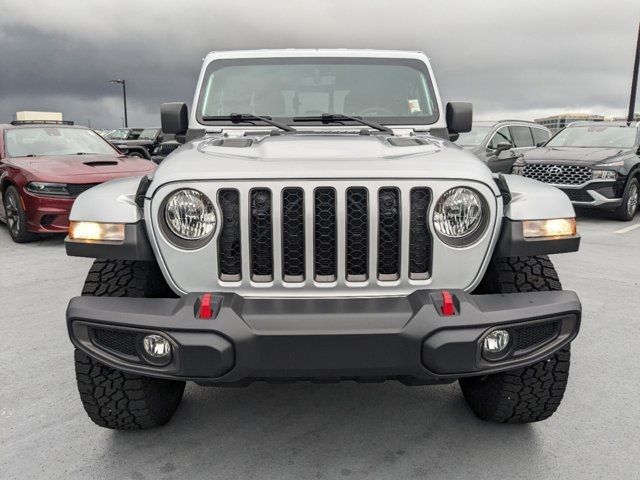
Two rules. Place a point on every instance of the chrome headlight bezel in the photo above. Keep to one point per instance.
(179, 237)
(477, 228)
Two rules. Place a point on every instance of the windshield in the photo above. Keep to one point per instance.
(23, 142)
(605, 136)
(396, 91)
(117, 134)
(474, 137)
(148, 134)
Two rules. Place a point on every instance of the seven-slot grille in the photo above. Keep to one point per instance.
(303, 219)
(558, 174)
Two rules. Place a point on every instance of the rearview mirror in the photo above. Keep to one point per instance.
(502, 146)
(174, 118)
(459, 117)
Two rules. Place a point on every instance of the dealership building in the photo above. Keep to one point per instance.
(556, 122)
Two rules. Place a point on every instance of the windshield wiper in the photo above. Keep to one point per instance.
(248, 118)
(340, 117)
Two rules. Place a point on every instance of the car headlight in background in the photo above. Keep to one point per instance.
(460, 216)
(517, 170)
(604, 175)
(553, 227)
(45, 188)
(190, 215)
(96, 232)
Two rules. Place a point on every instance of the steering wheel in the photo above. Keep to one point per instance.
(376, 111)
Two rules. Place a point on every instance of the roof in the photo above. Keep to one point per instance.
(7, 126)
(509, 120)
(314, 52)
(604, 124)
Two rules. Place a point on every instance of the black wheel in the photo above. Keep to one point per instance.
(116, 399)
(629, 207)
(527, 394)
(16, 217)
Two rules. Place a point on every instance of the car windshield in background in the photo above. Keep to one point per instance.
(148, 134)
(474, 137)
(117, 134)
(604, 136)
(396, 91)
(25, 142)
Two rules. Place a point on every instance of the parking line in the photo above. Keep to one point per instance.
(628, 229)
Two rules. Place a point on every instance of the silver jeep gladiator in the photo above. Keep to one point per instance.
(318, 224)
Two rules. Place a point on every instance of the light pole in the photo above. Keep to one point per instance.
(124, 95)
(634, 81)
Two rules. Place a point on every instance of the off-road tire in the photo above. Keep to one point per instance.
(527, 394)
(20, 233)
(113, 398)
(626, 212)
(122, 401)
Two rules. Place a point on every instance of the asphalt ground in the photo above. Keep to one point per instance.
(341, 431)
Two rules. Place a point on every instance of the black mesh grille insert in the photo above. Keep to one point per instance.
(578, 195)
(229, 241)
(76, 189)
(419, 235)
(293, 234)
(357, 249)
(527, 337)
(117, 340)
(325, 234)
(388, 234)
(261, 236)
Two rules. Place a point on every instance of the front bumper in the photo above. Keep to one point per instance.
(47, 214)
(594, 195)
(403, 338)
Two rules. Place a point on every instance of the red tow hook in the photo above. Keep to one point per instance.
(448, 307)
(205, 311)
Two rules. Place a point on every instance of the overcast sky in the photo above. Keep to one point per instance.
(511, 58)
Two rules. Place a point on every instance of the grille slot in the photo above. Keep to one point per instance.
(76, 189)
(117, 340)
(558, 174)
(388, 234)
(293, 234)
(419, 235)
(578, 195)
(229, 242)
(261, 236)
(527, 337)
(325, 235)
(357, 248)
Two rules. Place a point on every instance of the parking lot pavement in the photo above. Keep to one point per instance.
(346, 430)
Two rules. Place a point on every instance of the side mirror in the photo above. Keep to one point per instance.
(174, 118)
(459, 117)
(539, 144)
(502, 146)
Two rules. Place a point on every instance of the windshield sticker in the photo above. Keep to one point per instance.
(414, 105)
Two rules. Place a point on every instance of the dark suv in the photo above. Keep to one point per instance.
(500, 144)
(596, 164)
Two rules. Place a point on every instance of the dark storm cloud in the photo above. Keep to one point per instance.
(512, 58)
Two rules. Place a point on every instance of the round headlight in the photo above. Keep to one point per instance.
(459, 216)
(190, 214)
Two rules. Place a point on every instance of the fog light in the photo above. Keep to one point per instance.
(156, 346)
(496, 341)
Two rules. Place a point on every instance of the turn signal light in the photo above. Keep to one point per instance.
(554, 227)
(96, 232)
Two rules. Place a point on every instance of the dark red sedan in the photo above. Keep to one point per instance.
(44, 167)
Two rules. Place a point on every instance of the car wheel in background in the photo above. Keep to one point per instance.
(16, 217)
(629, 207)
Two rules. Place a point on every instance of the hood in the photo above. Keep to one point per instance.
(81, 165)
(313, 156)
(574, 155)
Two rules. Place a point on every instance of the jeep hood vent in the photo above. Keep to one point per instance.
(232, 142)
(406, 141)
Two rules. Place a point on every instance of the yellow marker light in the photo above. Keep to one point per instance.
(96, 232)
(554, 227)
